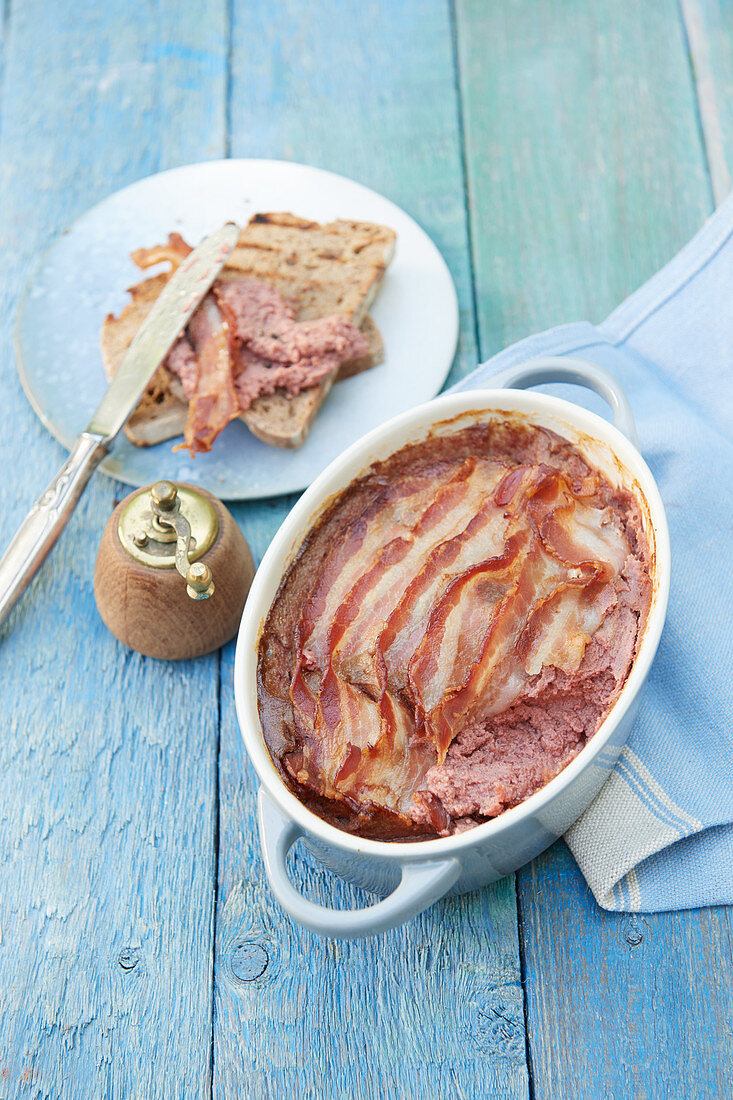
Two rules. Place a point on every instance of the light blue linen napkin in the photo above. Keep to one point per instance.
(660, 834)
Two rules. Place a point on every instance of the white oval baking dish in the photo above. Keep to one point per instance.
(414, 875)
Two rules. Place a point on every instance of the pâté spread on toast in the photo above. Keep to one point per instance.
(285, 319)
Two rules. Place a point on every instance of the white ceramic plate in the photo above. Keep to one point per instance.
(87, 270)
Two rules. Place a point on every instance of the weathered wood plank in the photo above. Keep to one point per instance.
(583, 156)
(4, 12)
(436, 1007)
(107, 760)
(321, 83)
(623, 1004)
(586, 172)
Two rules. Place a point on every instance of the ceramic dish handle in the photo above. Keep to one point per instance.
(579, 372)
(422, 884)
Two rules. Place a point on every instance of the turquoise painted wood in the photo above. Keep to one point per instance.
(585, 169)
(623, 1004)
(558, 154)
(581, 125)
(445, 992)
(108, 762)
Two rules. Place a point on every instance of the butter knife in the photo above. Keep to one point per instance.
(170, 314)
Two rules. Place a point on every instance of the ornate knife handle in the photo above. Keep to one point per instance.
(47, 519)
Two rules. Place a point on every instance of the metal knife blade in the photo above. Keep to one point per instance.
(170, 314)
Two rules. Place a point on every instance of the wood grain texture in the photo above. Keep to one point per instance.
(623, 1005)
(150, 611)
(107, 760)
(436, 1007)
(586, 172)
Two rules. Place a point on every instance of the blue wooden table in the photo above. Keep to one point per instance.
(558, 152)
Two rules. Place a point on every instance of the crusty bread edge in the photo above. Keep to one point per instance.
(290, 440)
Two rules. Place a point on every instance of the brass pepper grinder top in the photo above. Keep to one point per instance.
(154, 535)
(167, 523)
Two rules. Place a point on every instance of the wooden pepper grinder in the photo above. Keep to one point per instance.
(173, 572)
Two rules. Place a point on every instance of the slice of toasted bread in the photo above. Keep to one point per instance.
(333, 268)
(284, 419)
(322, 269)
(162, 411)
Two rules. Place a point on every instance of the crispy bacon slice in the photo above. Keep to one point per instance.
(434, 609)
(214, 402)
(360, 547)
(573, 531)
(174, 251)
(363, 615)
(354, 755)
(560, 626)
(482, 538)
(467, 637)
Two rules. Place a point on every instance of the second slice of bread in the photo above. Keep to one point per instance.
(323, 269)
